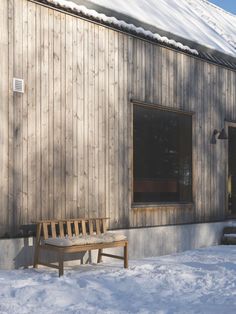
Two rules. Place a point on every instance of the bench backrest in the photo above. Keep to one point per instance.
(229, 230)
(63, 227)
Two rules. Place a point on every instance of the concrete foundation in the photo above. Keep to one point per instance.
(143, 242)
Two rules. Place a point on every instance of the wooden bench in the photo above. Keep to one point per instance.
(74, 236)
(229, 235)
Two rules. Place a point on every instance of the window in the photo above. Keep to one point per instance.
(162, 156)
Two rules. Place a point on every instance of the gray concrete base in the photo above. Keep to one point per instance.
(149, 242)
(143, 242)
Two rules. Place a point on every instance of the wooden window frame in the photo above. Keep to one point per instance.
(157, 205)
(228, 124)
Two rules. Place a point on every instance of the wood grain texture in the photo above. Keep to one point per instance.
(10, 227)
(67, 142)
(4, 133)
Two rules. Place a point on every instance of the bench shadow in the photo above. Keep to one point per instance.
(25, 257)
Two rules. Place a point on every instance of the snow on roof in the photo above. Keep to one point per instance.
(114, 21)
(196, 20)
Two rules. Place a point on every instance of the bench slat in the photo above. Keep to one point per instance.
(53, 226)
(98, 230)
(90, 226)
(83, 227)
(61, 227)
(76, 227)
(45, 230)
(69, 232)
(104, 225)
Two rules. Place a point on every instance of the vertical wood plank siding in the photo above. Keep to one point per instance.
(4, 111)
(66, 143)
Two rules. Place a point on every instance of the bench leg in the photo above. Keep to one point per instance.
(126, 255)
(99, 255)
(37, 243)
(36, 256)
(61, 265)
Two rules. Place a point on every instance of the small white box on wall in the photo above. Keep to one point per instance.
(18, 85)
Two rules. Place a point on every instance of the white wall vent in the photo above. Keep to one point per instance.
(18, 85)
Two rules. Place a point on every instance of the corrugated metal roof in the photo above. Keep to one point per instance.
(203, 52)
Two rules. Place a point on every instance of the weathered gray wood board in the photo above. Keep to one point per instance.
(66, 143)
(4, 109)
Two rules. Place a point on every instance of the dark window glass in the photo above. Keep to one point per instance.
(162, 156)
(232, 170)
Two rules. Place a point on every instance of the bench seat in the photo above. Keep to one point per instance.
(107, 237)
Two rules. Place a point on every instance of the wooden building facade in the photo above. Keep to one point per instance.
(66, 143)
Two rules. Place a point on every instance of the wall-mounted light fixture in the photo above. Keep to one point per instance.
(222, 136)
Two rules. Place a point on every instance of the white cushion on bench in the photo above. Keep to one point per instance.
(59, 241)
(107, 237)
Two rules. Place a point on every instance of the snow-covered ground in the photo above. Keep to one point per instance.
(199, 281)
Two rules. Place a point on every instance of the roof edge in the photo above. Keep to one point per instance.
(193, 44)
(203, 52)
(79, 9)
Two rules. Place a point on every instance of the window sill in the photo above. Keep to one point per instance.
(153, 206)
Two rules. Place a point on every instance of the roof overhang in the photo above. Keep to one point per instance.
(204, 52)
